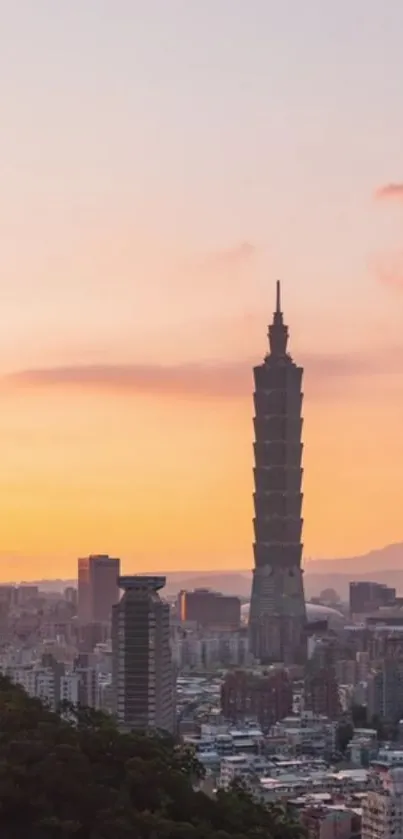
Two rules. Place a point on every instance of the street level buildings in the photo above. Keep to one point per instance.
(277, 615)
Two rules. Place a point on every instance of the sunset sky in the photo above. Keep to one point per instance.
(163, 162)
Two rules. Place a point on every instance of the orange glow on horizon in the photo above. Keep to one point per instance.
(166, 482)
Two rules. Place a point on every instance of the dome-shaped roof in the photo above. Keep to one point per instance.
(314, 612)
(317, 612)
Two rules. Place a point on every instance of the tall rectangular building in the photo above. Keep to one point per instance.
(142, 674)
(385, 690)
(98, 588)
(277, 616)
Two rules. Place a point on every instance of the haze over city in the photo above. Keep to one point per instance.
(162, 165)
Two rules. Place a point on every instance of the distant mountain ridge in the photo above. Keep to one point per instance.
(391, 557)
(384, 565)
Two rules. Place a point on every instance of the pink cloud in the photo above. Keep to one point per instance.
(389, 270)
(389, 191)
(236, 256)
(214, 380)
(218, 380)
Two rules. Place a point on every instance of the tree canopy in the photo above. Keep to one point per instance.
(75, 775)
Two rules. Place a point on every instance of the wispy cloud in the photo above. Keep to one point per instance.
(389, 269)
(236, 256)
(366, 362)
(217, 380)
(389, 191)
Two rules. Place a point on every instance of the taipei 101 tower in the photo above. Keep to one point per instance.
(277, 615)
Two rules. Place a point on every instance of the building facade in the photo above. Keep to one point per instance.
(382, 815)
(385, 690)
(142, 671)
(321, 822)
(321, 692)
(277, 617)
(265, 697)
(98, 588)
(366, 596)
(210, 609)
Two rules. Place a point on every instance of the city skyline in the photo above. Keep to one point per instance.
(161, 169)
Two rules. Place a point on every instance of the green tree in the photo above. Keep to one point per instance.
(344, 734)
(75, 774)
(359, 716)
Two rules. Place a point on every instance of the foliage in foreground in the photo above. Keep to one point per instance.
(84, 779)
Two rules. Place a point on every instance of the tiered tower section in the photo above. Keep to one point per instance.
(277, 613)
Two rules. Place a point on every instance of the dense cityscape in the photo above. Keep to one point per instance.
(201, 387)
(301, 702)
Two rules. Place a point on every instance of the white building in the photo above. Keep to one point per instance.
(24, 676)
(89, 687)
(307, 732)
(241, 767)
(52, 685)
(69, 688)
(225, 741)
(391, 757)
(46, 689)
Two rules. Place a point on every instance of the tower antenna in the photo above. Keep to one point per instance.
(278, 297)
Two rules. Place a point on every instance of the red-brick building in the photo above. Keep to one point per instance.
(265, 697)
(321, 692)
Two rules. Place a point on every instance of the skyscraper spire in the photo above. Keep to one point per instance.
(278, 297)
(278, 331)
(277, 617)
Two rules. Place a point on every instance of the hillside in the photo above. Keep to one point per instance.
(390, 556)
(84, 779)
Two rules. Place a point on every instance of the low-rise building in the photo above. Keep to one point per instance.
(307, 733)
(332, 821)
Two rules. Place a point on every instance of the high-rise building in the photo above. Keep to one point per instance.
(277, 615)
(209, 609)
(70, 595)
(98, 588)
(385, 690)
(142, 671)
(321, 692)
(88, 682)
(366, 596)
